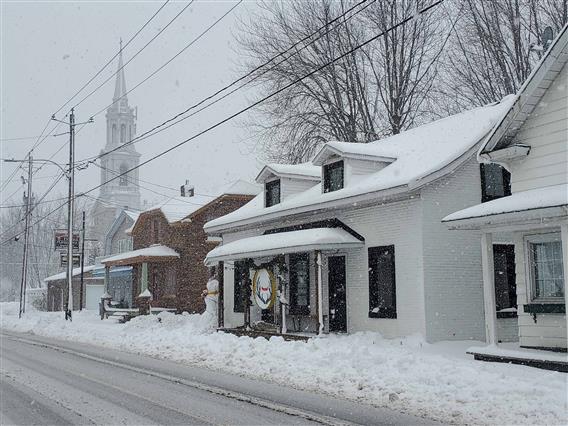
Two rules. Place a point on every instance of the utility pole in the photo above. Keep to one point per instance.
(26, 237)
(70, 209)
(82, 261)
(70, 212)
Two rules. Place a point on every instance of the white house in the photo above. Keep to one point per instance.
(531, 141)
(354, 239)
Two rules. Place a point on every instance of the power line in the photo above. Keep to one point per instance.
(113, 58)
(242, 111)
(152, 132)
(134, 56)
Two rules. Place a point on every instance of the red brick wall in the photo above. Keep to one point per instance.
(190, 240)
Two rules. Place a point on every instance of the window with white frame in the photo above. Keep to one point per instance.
(545, 267)
(124, 245)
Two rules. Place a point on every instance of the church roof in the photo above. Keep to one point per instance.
(120, 85)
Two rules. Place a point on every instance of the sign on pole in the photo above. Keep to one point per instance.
(76, 259)
(61, 240)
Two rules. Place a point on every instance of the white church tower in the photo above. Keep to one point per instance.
(123, 193)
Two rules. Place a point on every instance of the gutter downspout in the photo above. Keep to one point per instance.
(320, 293)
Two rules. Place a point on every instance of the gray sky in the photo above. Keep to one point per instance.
(49, 50)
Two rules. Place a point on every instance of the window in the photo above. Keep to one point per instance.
(170, 283)
(333, 176)
(545, 267)
(124, 245)
(505, 280)
(300, 284)
(122, 133)
(156, 230)
(240, 280)
(382, 285)
(113, 133)
(272, 193)
(495, 182)
(123, 179)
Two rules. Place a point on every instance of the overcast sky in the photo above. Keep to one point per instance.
(49, 50)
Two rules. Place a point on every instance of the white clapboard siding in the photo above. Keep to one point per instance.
(290, 186)
(546, 131)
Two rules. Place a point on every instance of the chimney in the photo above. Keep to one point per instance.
(187, 190)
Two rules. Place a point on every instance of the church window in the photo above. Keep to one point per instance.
(123, 180)
(114, 133)
(130, 135)
(122, 133)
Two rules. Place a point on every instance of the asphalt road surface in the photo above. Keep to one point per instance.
(51, 382)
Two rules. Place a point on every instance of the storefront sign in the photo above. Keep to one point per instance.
(61, 240)
(263, 288)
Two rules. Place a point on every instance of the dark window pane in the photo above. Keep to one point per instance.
(272, 193)
(333, 176)
(504, 270)
(241, 272)
(495, 182)
(300, 284)
(382, 284)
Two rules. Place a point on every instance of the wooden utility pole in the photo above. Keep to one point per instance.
(26, 238)
(82, 262)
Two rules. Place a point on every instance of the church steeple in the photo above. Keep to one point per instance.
(120, 85)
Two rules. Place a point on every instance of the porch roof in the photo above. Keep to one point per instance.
(283, 243)
(154, 253)
(541, 203)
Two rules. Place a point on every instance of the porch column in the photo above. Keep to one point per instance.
(564, 245)
(319, 293)
(489, 288)
(107, 278)
(144, 278)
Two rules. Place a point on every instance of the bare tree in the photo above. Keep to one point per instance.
(492, 51)
(359, 97)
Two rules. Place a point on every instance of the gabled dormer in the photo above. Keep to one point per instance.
(344, 163)
(283, 180)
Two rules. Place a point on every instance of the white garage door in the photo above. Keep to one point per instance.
(94, 293)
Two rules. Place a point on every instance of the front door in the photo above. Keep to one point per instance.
(337, 294)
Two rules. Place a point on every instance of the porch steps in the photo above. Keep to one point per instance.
(263, 333)
(561, 366)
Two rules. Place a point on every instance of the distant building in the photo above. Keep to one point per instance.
(123, 192)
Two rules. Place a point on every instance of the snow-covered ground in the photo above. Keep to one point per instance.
(437, 381)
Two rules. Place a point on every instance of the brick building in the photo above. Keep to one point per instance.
(169, 246)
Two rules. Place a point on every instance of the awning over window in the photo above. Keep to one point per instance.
(154, 253)
(535, 204)
(284, 242)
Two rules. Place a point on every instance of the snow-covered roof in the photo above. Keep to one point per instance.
(360, 151)
(529, 95)
(63, 275)
(540, 198)
(154, 251)
(282, 243)
(178, 208)
(304, 171)
(419, 153)
(132, 215)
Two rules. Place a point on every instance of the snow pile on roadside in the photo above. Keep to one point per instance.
(407, 375)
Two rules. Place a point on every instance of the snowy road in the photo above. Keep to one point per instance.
(46, 381)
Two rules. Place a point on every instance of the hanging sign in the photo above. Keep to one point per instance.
(61, 240)
(264, 288)
(76, 259)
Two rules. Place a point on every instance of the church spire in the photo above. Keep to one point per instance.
(120, 85)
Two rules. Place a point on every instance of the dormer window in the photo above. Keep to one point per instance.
(272, 193)
(333, 176)
(495, 182)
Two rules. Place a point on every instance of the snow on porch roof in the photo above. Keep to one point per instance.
(540, 198)
(284, 242)
(154, 253)
(63, 275)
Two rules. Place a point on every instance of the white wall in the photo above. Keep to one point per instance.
(290, 187)
(546, 131)
(452, 259)
(397, 224)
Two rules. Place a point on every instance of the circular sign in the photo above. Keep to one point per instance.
(263, 288)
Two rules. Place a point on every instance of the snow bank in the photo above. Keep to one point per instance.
(437, 381)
